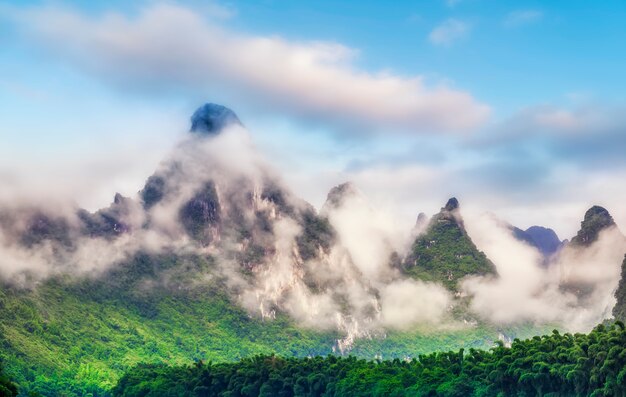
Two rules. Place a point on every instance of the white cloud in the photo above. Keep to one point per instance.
(173, 47)
(448, 32)
(522, 17)
(583, 119)
(406, 303)
(526, 290)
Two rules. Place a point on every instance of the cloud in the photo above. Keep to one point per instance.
(448, 32)
(526, 290)
(522, 17)
(173, 47)
(578, 135)
(405, 303)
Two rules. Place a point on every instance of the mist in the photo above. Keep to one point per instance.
(351, 285)
(528, 290)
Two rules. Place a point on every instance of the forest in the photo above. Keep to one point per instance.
(554, 365)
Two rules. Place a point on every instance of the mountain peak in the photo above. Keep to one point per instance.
(452, 204)
(422, 219)
(444, 252)
(596, 219)
(211, 118)
(598, 212)
(545, 239)
(339, 193)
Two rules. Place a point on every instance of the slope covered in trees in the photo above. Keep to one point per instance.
(7, 387)
(445, 253)
(554, 365)
(619, 310)
(77, 337)
(596, 220)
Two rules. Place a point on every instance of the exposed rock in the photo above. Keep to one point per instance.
(596, 220)
(200, 216)
(211, 118)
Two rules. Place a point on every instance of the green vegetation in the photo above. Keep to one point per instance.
(77, 337)
(7, 387)
(596, 219)
(316, 233)
(619, 310)
(552, 365)
(445, 253)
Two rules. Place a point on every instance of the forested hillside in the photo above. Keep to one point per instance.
(445, 253)
(77, 337)
(554, 365)
(207, 266)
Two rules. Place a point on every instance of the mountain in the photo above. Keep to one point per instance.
(544, 239)
(619, 310)
(589, 265)
(215, 259)
(211, 118)
(198, 266)
(234, 214)
(596, 220)
(445, 252)
(338, 195)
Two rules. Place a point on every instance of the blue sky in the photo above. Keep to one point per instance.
(514, 107)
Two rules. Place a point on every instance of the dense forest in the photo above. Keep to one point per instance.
(591, 364)
(445, 253)
(78, 337)
(7, 387)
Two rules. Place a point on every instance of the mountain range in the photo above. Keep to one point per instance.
(216, 259)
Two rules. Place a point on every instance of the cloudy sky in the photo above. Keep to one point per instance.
(518, 108)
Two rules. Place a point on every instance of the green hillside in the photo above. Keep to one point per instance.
(619, 310)
(596, 220)
(77, 337)
(445, 253)
(552, 365)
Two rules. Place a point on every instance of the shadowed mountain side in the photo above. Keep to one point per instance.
(542, 238)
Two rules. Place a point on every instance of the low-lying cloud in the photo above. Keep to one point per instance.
(576, 289)
(352, 286)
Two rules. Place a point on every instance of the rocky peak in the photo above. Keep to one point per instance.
(450, 213)
(422, 220)
(210, 119)
(339, 193)
(119, 200)
(596, 220)
(452, 204)
(200, 216)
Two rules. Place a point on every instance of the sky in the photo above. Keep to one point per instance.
(516, 108)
